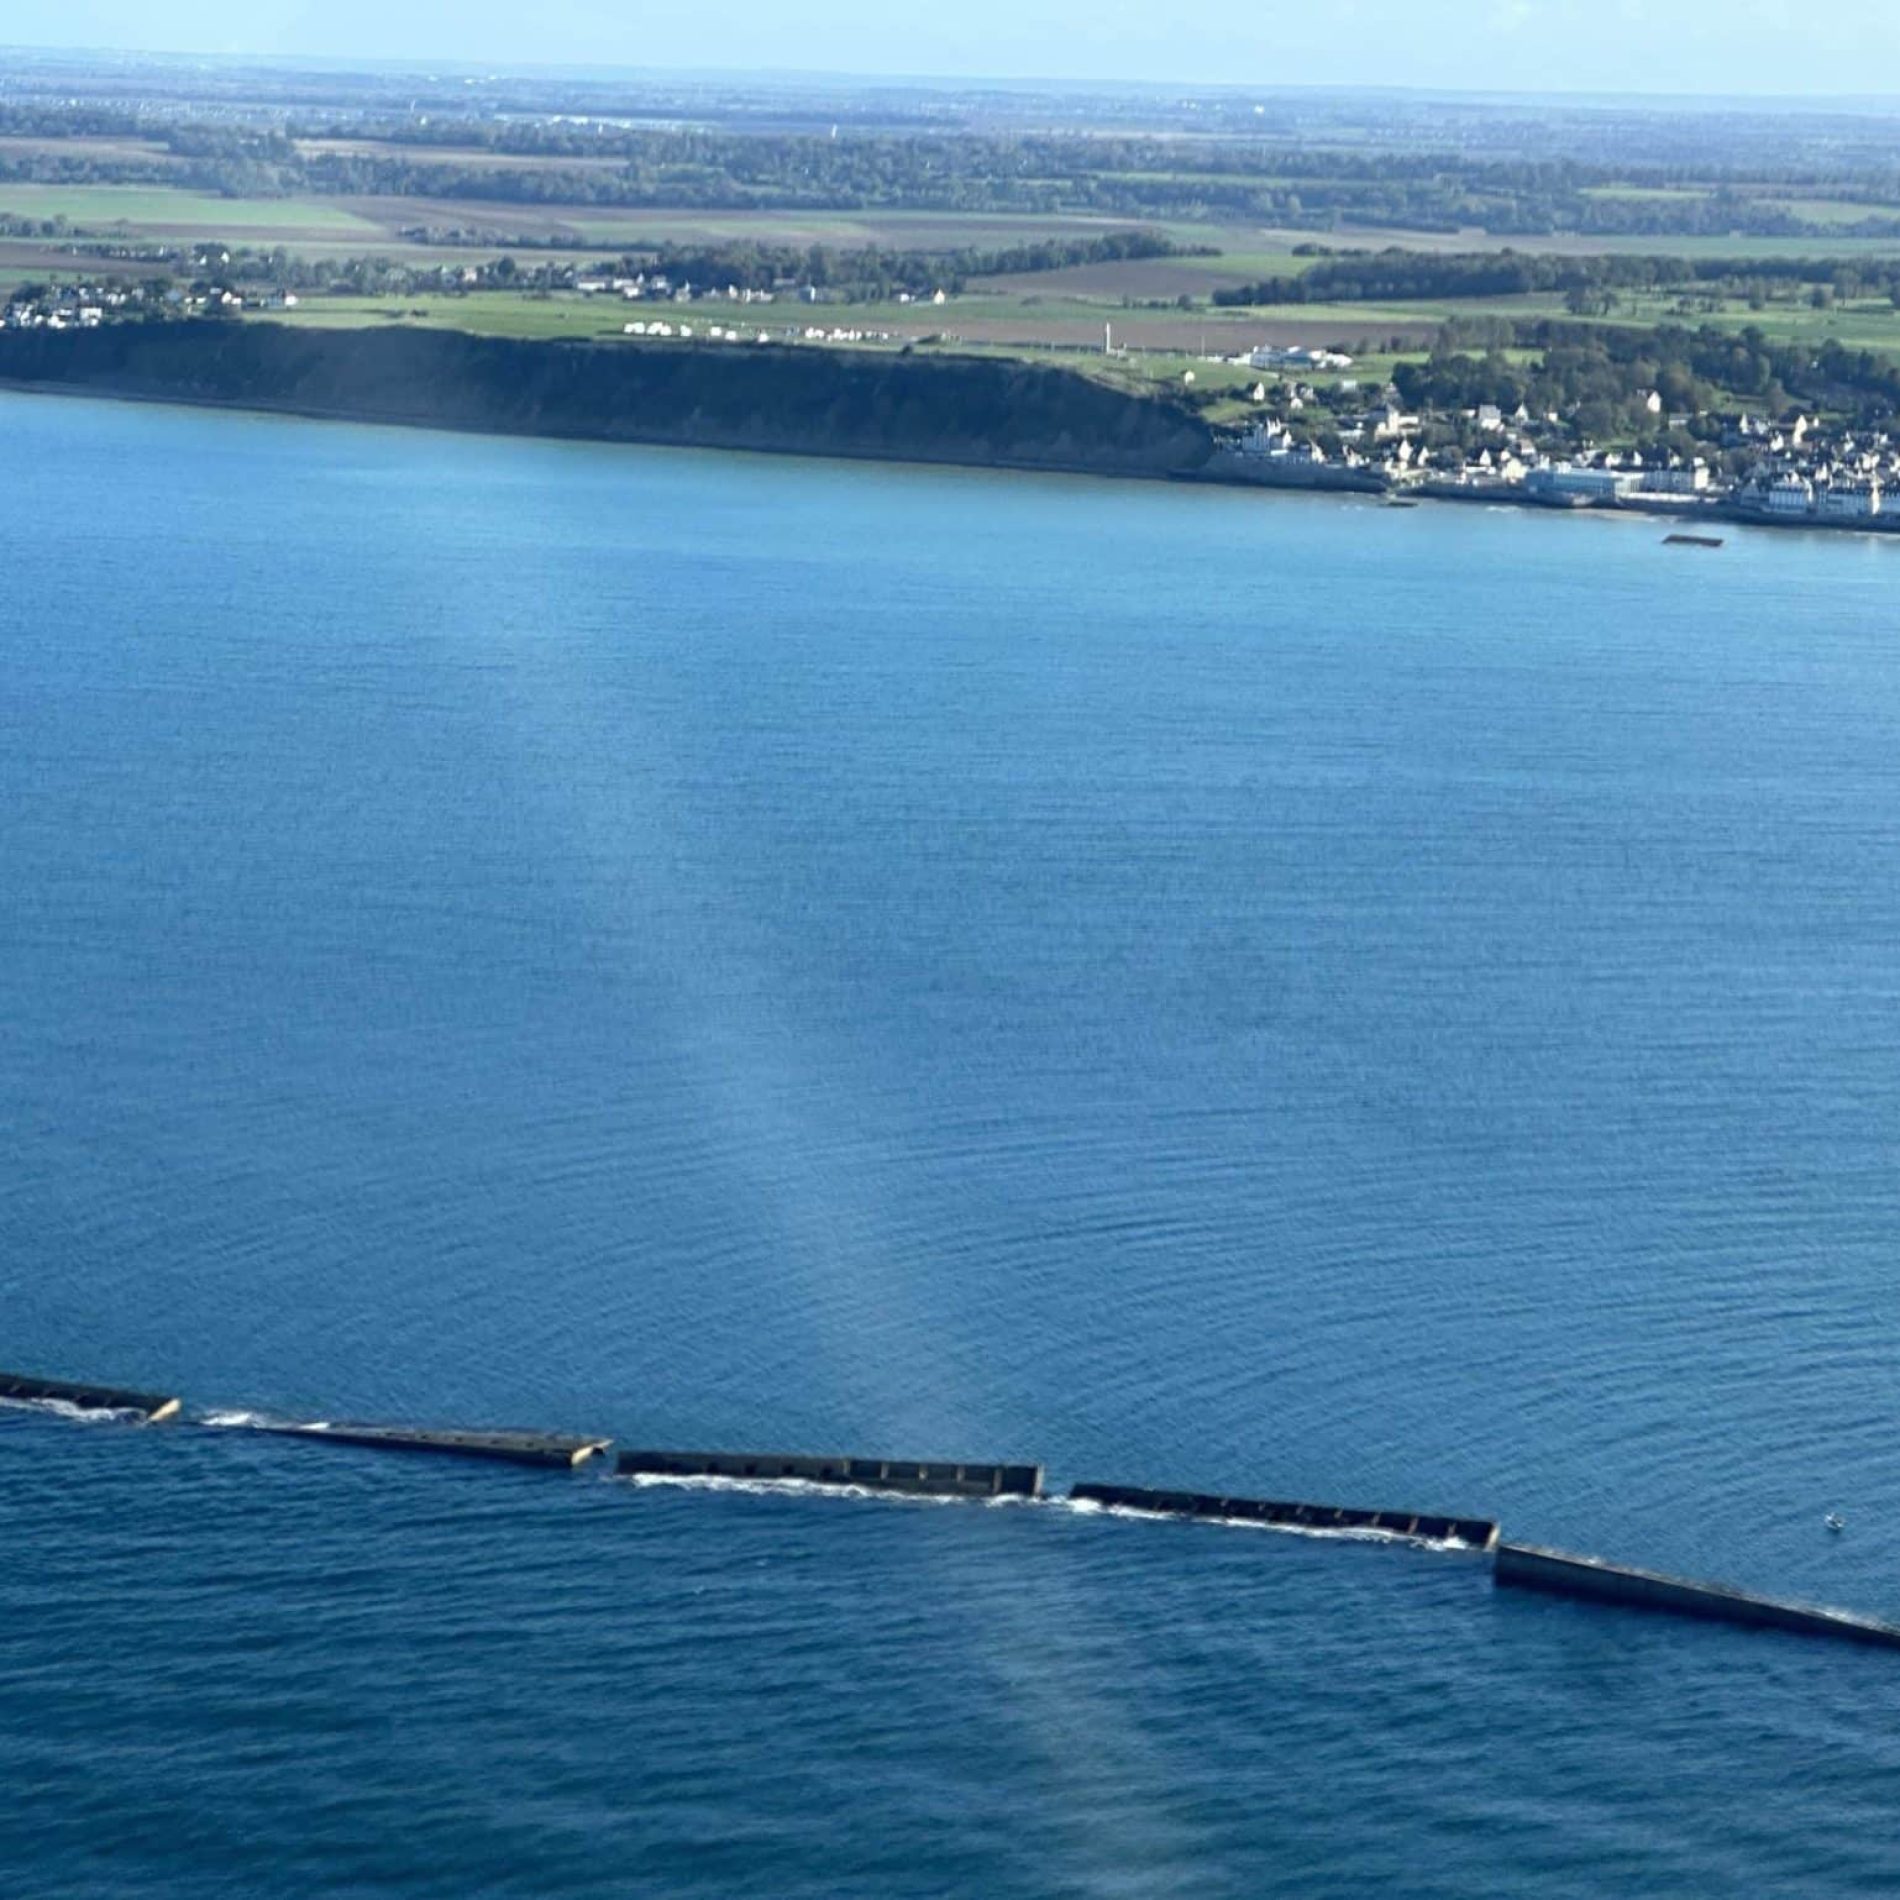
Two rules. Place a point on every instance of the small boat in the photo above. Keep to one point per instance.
(1692, 540)
(1835, 1522)
(1400, 501)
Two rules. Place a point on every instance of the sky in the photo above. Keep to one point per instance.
(1775, 47)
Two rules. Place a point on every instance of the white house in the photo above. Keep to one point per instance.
(1265, 438)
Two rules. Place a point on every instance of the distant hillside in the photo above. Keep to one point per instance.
(982, 411)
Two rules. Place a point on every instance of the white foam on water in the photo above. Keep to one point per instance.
(794, 1487)
(78, 1414)
(239, 1421)
(1336, 1534)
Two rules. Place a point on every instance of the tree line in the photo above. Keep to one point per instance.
(874, 272)
(1395, 276)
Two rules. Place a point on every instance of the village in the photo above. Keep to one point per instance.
(86, 305)
(1798, 471)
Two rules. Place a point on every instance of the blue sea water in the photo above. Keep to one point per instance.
(1263, 994)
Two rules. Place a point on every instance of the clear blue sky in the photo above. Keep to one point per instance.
(1759, 46)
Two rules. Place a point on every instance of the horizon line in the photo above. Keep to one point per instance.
(425, 66)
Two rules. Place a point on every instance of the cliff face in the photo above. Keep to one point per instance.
(975, 410)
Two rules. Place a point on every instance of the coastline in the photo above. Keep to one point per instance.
(964, 412)
(371, 419)
(978, 412)
(1684, 515)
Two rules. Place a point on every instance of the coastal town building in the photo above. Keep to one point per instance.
(1292, 356)
(1789, 494)
(1565, 481)
(1681, 478)
(1849, 500)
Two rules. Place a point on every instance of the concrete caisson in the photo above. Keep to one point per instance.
(1532, 1567)
(919, 1477)
(1477, 1533)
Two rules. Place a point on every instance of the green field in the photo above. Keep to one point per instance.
(1861, 325)
(1646, 194)
(1871, 323)
(483, 313)
(1078, 322)
(1830, 210)
(1164, 344)
(162, 211)
(897, 230)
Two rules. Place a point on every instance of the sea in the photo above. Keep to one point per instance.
(1258, 994)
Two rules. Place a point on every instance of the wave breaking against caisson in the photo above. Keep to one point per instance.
(1520, 1566)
